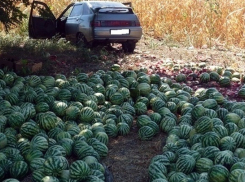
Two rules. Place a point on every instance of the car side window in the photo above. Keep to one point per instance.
(77, 10)
(86, 10)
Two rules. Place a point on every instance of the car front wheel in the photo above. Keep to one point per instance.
(129, 46)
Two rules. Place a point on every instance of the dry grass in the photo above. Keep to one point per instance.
(190, 22)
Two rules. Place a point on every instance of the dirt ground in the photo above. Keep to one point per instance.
(129, 157)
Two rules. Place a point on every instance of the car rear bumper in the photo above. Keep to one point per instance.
(105, 33)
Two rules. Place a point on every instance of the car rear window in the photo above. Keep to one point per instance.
(105, 4)
(110, 7)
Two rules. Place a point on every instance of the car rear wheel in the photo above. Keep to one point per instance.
(80, 39)
(129, 46)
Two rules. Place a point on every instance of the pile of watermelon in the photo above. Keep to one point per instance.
(45, 121)
(206, 141)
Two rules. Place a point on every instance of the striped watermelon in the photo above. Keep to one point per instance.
(204, 78)
(210, 113)
(185, 130)
(238, 138)
(167, 123)
(155, 78)
(3, 140)
(181, 77)
(54, 165)
(8, 79)
(143, 89)
(238, 165)
(241, 93)
(19, 169)
(214, 76)
(143, 120)
(228, 143)
(123, 128)
(145, 133)
(16, 119)
(55, 150)
(86, 115)
(220, 130)
(64, 95)
(10, 180)
(116, 98)
(231, 128)
(34, 81)
(224, 81)
(210, 104)
(227, 73)
(40, 143)
(111, 130)
(176, 176)
(203, 165)
(143, 79)
(157, 170)
(67, 144)
(156, 103)
(224, 158)
(156, 117)
(13, 98)
(50, 179)
(101, 148)
(203, 124)
(36, 163)
(86, 150)
(126, 118)
(32, 154)
(41, 107)
(231, 117)
(210, 139)
(140, 108)
(236, 175)
(210, 152)
(239, 112)
(185, 163)
(47, 120)
(82, 77)
(87, 133)
(197, 111)
(218, 173)
(102, 137)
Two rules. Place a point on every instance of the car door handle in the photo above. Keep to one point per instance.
(77, 19)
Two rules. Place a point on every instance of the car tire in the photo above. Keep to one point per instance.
(80, 39)
(129, 46)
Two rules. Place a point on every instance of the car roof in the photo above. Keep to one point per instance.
(98, 4)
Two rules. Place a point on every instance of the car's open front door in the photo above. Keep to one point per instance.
(42, 22)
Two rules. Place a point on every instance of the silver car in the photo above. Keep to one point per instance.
(90, 22)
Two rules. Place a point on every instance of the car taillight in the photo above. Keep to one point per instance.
(115, 23)
(137, 24)
(96, 24)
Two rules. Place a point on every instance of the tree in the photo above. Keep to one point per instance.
(10, 14)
